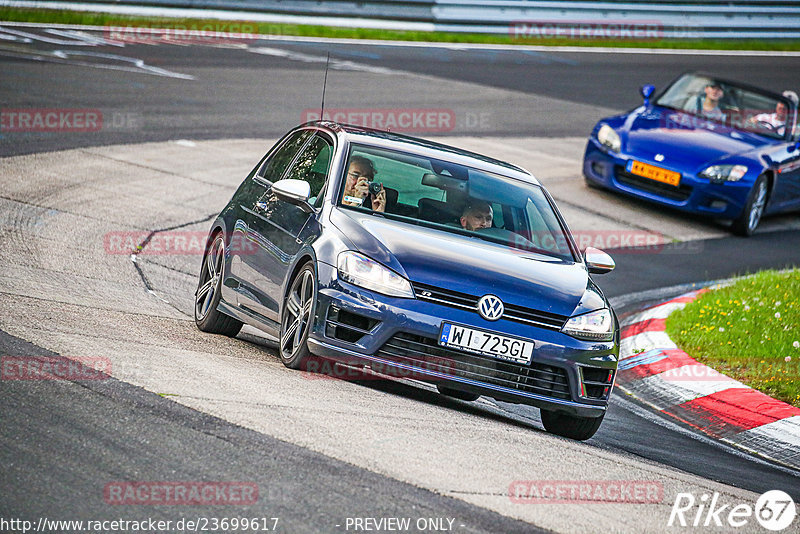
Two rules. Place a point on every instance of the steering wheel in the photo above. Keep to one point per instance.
(767, 126)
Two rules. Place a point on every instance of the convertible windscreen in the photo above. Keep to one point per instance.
(453, 198)
(723, 102)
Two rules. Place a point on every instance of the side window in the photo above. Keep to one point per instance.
(498, 215)
(313, 164)
(275, 166)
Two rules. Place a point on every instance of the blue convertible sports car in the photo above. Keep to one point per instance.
(705, 145)
(394, 253)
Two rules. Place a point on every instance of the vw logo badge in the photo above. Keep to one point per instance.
(490, 307)
(659, 157)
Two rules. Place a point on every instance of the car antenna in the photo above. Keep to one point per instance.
(324, 85)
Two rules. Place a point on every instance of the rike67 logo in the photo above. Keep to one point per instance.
(774, 510)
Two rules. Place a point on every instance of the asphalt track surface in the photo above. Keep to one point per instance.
(241, 91)
(89, 431)
(237, 93)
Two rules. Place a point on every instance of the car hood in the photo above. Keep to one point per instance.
(470, 265)
(684, 140)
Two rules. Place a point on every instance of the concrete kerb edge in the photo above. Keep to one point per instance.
(688, 401)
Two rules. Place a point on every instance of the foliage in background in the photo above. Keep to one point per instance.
(749, 331)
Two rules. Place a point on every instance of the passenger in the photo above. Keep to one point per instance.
(707, 105)
(777, 121)
(477, 215)
(356, 188)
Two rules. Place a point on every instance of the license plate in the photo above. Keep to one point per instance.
(654, 173)
(486, 343)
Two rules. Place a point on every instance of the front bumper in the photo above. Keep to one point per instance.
(400, 335)
(694, 194)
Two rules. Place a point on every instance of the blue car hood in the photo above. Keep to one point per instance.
(470, 265)
(684, 140)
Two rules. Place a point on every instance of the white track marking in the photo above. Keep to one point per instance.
(337, 64)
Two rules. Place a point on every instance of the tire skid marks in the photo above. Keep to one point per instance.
(30, 46)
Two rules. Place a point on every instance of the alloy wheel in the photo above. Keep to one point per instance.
(297, 314)
(209, 279)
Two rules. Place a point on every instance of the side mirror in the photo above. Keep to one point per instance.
(597, 261)
(646, 92)
(295, 192)
(793, 147)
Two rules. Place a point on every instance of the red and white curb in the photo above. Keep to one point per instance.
(655, 371)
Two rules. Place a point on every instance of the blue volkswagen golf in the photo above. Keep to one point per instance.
(705, 145)
(400, 255)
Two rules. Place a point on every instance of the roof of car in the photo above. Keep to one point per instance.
(390, 140)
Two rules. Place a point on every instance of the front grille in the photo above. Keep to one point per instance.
(680, 193)
(425, 353)
(597, 382)
(464, 301)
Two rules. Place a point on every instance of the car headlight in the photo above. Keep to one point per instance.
(724, 173)
(593, 326)
(609, 138)
(362, 271)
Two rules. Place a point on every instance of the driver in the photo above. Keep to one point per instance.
(477, 215)
(777, 121)
(356, 187)
(707, 104)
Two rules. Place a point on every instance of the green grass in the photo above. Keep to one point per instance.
(105, 19)
(749, 331)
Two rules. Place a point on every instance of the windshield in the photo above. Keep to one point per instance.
(726, 103)
(453, 198)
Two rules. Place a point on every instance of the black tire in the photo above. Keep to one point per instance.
(747, 222)
(208, 293)
(456, 394)
(297, 317)
(570, 426)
